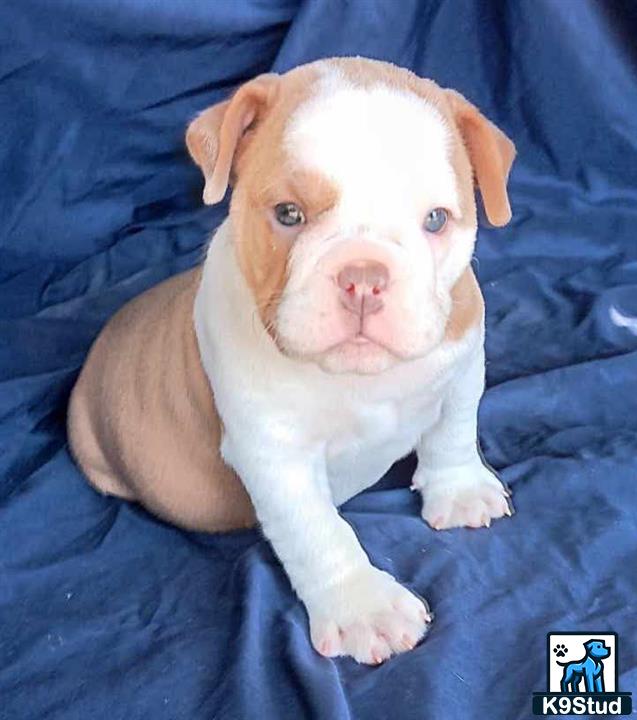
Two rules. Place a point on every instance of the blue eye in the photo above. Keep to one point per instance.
(436, 220)
(289, 214)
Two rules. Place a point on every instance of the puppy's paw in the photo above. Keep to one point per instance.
(368, 616)
(465, 496)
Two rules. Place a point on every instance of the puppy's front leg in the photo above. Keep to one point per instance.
(354, 608)
(457, 488)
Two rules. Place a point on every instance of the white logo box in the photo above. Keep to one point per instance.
(575, 651)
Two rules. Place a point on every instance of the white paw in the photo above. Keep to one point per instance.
(368, 616)
(465, 496)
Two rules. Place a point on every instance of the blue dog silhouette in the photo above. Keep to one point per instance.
(590, 668)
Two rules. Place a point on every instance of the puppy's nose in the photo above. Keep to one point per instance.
(362, 285)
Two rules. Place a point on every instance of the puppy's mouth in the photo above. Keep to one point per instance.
(358, 344)
(362, 341)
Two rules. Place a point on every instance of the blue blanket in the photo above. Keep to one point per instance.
(106, 612)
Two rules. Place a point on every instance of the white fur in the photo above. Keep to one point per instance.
(305, 440)
(388, 154)
(387, 150)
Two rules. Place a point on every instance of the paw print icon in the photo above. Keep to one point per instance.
(560, 650)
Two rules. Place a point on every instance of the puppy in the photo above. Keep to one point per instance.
(334, 327)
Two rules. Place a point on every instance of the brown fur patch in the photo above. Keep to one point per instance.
(264, 176)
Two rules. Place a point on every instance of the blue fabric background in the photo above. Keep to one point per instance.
(105, 612)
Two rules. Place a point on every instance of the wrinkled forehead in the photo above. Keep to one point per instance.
(379, 145)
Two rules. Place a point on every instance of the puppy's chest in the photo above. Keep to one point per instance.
(370, 437)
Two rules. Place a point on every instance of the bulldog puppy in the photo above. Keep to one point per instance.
(335, 326)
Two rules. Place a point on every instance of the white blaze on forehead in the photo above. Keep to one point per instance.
(384, 148)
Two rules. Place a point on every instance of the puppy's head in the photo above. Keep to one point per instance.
(353, 204)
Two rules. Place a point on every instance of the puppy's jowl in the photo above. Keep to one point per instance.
(334, 327)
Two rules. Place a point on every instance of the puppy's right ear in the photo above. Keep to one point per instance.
(213, 137)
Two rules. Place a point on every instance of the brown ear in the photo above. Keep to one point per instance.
(491, 154)
(212, 138)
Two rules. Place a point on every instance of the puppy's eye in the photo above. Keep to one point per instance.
(436, 220)
(289, 214)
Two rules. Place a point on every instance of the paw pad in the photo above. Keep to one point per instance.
(560, 650)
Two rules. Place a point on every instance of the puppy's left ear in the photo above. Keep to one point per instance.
(491, 154)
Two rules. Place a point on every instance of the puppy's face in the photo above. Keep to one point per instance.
(353, 205)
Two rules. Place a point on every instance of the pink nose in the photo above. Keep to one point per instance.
(362, 286)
